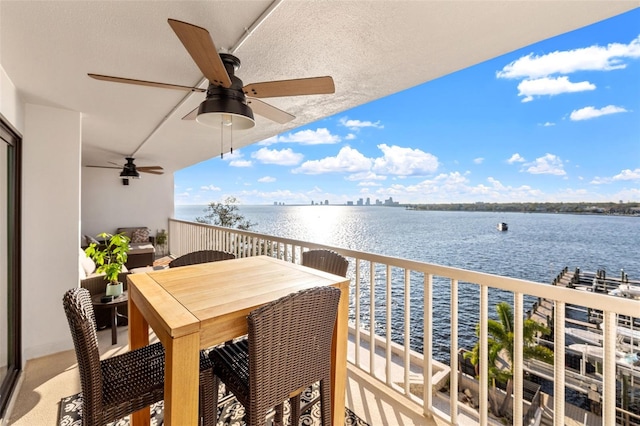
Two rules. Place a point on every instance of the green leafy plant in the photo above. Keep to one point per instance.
(501, 345)
(161, 237)
(225, 214)
(110, 256)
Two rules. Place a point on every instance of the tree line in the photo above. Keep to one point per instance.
(576, 208)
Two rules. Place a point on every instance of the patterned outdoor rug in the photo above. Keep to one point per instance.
(230, 413)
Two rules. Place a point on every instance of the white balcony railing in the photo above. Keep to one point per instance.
(383, 292)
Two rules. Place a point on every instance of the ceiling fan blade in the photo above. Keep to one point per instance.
(145, 83)
(153, 172)
(104, 167)
(200, 46)
(269, 111)
(296, 87)
(149, 168)
(192, 114)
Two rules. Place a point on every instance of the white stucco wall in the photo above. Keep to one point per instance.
(107, 204)
(61, 202)
(50, 219)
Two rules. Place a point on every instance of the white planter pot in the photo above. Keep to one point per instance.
(114, 289)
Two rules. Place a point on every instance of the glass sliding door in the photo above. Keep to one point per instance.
(10, 326)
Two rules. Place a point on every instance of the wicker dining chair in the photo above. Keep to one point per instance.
(201, 256)
(326, 260)
(288, 349)
(122, 384)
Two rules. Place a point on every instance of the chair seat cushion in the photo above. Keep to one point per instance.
(133, 373)
(231, 365)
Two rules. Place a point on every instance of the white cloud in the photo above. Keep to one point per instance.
(548, 165)
(320, 136)
(516, 158)
(283, 157)
(592, 58)
(548, 124)
(348, 160)
(368, 175)
(624, 175)
(268, 141)
(369, 183)
(210, 188)
(551, 86)
(267, 179)
(404, 161)
(240, 163)
(396, 161)
(478, 160)
(590, 112)
(350, 137)
(356, 125)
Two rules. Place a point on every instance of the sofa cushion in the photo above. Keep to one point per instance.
(128, 231)
(139, 248)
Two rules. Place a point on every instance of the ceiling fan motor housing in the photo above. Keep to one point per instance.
(226, 106)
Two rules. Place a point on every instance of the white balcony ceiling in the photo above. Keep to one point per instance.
(371, 48)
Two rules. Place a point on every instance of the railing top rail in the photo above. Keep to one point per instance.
(570, 296)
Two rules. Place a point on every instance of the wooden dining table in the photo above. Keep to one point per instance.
(195, 307)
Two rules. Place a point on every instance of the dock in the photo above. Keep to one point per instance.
(584, 325)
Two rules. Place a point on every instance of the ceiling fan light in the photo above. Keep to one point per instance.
(222, 112)
(129, 173)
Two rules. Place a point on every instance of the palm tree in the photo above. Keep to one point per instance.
(500, 343)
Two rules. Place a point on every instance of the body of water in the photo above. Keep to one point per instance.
(536, 246)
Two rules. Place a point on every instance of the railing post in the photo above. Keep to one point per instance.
(427, 345)
(453, 378)
(407, 330)
(518, 358)
(484, 355)
(558, 364)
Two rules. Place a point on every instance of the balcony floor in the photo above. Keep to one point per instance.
(48, 379)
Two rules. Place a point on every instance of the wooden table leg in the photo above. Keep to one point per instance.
(339, 360)
(138, 338)
(182, 375)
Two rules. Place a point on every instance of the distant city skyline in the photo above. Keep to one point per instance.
(555, 121)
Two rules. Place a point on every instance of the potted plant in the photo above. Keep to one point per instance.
(161, 240)
(109, 258)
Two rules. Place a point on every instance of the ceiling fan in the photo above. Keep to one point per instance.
(130, 170)
(228, 102)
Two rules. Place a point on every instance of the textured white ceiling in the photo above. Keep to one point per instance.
(371, 48)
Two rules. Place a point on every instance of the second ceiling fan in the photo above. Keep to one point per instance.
(228, 102)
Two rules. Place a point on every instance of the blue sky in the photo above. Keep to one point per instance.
(555, 121)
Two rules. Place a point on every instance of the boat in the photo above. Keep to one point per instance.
(626, 290)
(502, 226)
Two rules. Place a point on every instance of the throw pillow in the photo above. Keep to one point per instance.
(87, 263)
(140, 235)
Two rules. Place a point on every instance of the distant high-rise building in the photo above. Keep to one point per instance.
(368, 202)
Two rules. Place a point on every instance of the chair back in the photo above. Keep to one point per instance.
(201, 256)
(79, 310)
(290, 344)
(326, 260)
